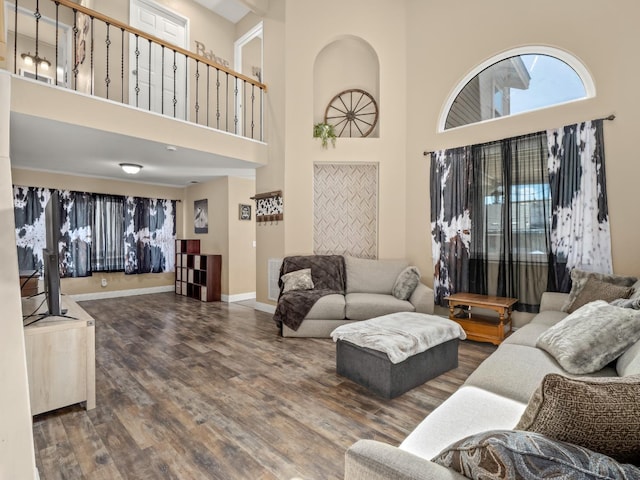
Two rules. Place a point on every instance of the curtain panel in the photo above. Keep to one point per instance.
(29, 205)
(108, 234)
(513, 217)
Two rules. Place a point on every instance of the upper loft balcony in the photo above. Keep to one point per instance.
(87, 85)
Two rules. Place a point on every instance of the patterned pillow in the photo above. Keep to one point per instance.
(598, 413)
(579, 278)
(298, 280)
(509, 454)
(595, 289)
(406, 283)
(591, 337)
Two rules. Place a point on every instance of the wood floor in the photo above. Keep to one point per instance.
(189, 390)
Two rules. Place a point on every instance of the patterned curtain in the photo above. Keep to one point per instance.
(150, 230)
(108, 233)
(29, 205)
(580, 235)
(450, 221)
(513, 217)
(76, 219)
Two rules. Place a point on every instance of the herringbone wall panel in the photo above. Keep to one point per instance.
(345, 209)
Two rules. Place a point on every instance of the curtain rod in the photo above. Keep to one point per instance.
(610, 118)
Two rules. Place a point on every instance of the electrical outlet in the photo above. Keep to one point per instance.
(103, 282)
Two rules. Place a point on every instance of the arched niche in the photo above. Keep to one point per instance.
(348, 62)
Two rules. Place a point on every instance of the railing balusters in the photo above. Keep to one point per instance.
(80, 41)
(150, 53)
(121, 64)
(75, 49)
(197, 106)
(57, 40)
(91, 60)
(107, 41)
(137, 53)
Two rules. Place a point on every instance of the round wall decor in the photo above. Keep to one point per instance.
(353, 113)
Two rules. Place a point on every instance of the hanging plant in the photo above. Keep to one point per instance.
(325, 132)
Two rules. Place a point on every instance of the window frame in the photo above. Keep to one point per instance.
(562, 55)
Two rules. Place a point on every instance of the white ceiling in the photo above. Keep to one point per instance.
(50, 145)
(232, 10)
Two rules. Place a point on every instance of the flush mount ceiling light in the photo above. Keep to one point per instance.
(131, 168)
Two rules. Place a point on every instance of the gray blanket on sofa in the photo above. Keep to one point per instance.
(328, 273)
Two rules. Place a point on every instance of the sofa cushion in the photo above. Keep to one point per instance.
(629, 362)
(549, 317)
(508, 454)
(297, 280)
(372, 276)
(595, 289)
(579, 278)
(591, 337)
(526, 335)
(514, 371)
(601, 414)
(406, 283)
(362, 306)
(330, 307)
(469, 410)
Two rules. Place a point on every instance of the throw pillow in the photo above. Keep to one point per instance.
(579, 278)
(591, 337)
(509, 454)
(626, 303)
(595, 289)
(297, 280)
(406, 283)
(599, 413)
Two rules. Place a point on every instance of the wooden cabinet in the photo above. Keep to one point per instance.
(198, 275)
(61, 363)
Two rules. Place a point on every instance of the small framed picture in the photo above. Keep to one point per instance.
(244, 212)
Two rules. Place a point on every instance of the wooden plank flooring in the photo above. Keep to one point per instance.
(190, 390)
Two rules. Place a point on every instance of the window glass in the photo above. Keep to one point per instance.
(514, 85)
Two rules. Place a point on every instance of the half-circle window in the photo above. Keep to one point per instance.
(517, 83)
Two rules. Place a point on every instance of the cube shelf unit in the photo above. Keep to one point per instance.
(197, 274)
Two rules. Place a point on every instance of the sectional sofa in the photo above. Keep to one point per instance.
(494, 397)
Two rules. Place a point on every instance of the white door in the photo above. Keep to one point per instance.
(158, 80)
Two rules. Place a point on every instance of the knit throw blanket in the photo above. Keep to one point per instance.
(328, 275)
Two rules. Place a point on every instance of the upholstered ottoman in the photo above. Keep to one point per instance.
(392, 354)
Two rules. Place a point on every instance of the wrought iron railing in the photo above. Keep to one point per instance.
(101, 56)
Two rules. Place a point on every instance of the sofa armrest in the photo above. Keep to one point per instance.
(422, 299)
(553, 301)
(372, 460)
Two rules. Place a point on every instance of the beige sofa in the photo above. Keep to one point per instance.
(368, 294)
(493, 397)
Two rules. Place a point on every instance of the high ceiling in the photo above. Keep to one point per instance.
(232, 10)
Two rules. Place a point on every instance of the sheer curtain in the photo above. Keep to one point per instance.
(108, 233)
(513, 217)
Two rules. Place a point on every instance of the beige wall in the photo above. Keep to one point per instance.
(16, 439)
(115, 281)
(227, 236)
(438, 64)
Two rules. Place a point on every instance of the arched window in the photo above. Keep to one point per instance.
(514, 82)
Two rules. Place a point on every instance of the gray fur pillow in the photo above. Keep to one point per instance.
(591, 337)
(297, 280)
(406, 283)
(579, 278)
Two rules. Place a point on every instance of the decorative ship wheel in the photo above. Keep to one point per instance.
(353, 113)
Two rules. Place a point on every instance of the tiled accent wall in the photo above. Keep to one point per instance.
(345, 209)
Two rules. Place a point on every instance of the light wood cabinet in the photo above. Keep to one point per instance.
(60, 358)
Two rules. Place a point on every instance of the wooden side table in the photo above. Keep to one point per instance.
(482, 328)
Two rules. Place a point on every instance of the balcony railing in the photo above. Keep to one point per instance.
(66, 44)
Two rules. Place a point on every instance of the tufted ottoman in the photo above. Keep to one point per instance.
(394, 353)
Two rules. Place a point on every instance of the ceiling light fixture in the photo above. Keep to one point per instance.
(131, 168)
(172, 148)
(29, 59)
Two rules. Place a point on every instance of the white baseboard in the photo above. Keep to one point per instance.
(122, 293)
(238, 297)
(265, 307)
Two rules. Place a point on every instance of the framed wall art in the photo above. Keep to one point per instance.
(201, 216)
(244, 212)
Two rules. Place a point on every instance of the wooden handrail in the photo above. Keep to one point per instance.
(140, 33)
